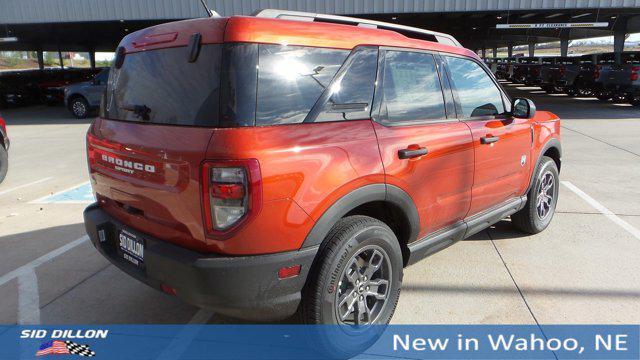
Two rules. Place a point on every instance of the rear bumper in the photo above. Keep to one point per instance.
(245, 287)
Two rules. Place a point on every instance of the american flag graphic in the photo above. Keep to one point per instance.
(59, 347)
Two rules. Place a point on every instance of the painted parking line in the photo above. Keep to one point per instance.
(24, 269)
(28, 292)
(603, 210)
(3, 192)
(78, 194)
(28, 299)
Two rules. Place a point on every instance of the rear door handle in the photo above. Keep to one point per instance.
(489, 139)
(412, 152)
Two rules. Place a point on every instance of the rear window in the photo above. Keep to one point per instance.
(163, 87)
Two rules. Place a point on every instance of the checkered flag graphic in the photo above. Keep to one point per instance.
(79, 349)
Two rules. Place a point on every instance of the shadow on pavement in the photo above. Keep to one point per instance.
(503, 230)
(41, 115)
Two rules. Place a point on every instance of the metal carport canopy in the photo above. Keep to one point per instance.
(98, 25)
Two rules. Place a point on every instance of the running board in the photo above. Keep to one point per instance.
(463, 229)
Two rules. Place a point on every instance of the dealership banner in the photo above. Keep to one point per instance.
(320, 342)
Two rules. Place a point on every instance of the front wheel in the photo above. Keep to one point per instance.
(541, 199)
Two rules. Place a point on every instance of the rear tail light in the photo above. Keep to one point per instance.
(596, 72)
(563, 70)
(634, 73)
(232, 194)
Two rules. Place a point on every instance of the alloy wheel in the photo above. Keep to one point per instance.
(79, 108)
(364, 287)
(546, 194)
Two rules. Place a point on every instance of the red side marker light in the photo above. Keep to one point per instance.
(289, 272)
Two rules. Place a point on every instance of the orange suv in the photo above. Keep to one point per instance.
(260, 165)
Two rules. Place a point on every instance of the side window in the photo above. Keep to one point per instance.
(102, 77)
(291, 79)
(350, 94)
(411, 88)
(478, 94)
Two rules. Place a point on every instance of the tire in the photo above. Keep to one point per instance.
(340, 271)
(4, 162)
(571, 91)
(532, 219)
(634, 100)
(79, 107)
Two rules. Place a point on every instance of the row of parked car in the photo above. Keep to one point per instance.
(28, 87)
(607, 76)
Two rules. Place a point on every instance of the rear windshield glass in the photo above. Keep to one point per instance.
(163, 87)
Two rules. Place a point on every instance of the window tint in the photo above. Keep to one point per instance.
(291, 79)
(238, 87)
(102, 77)
(411, 88)
(162, 87)
(478, 94)
(350, 94)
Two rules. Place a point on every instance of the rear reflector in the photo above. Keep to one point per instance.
(168, 289)
(289, 272)
(227, 191)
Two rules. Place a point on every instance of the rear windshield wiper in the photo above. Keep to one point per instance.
(141, 111)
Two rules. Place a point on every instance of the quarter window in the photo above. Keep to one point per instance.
(350, 94)
(478, 94)
(411, 88)
(291, 79)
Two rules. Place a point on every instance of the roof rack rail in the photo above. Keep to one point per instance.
(306, 16)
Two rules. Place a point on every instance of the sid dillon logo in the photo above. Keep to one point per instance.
(59, 343)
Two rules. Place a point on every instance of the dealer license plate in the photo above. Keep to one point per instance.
(132, 247)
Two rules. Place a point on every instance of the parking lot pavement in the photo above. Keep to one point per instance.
(583, 269)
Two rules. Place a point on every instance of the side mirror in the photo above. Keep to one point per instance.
(523, 108)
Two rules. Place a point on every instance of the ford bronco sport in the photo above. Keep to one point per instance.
(261, 165)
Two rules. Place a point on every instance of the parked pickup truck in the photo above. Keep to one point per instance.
(527, 71)
(618, 77)
(556, 74)
(577, 77)
(308, 182)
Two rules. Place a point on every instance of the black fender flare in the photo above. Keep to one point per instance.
(552, 143)
(368, 193)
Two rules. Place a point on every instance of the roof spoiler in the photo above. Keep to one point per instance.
(305, 16)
